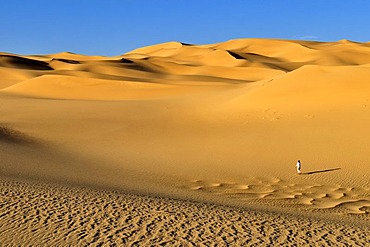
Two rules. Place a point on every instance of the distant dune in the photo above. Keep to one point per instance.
(218, 124)
(234, 62)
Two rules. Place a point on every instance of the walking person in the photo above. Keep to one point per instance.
(298, 165)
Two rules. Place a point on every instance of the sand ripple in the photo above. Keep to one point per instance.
(339, 199)
(32, 214)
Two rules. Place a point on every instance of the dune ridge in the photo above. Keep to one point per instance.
(237, 61)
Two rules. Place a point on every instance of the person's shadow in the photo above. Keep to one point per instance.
(321, 171)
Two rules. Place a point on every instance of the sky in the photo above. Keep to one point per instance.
(114, 27)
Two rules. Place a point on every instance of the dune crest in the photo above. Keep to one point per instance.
(244, 60)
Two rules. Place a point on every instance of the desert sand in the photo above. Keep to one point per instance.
(185, 144)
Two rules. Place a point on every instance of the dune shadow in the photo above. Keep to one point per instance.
(10, 135)
(12, 61)
(321, 171)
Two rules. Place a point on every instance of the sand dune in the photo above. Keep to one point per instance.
(13, 61)
(70, 87)
(219, 124)
(245, 60)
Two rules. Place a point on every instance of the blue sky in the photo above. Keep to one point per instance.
(113, 27)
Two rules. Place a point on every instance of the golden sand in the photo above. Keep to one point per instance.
(220, 124)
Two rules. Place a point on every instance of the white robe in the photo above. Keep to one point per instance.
(298, 165)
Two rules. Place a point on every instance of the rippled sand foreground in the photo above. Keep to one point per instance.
(39, 214)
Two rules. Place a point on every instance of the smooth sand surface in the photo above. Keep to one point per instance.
(201, 129)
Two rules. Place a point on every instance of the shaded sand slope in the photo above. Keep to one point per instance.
(222, 123)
